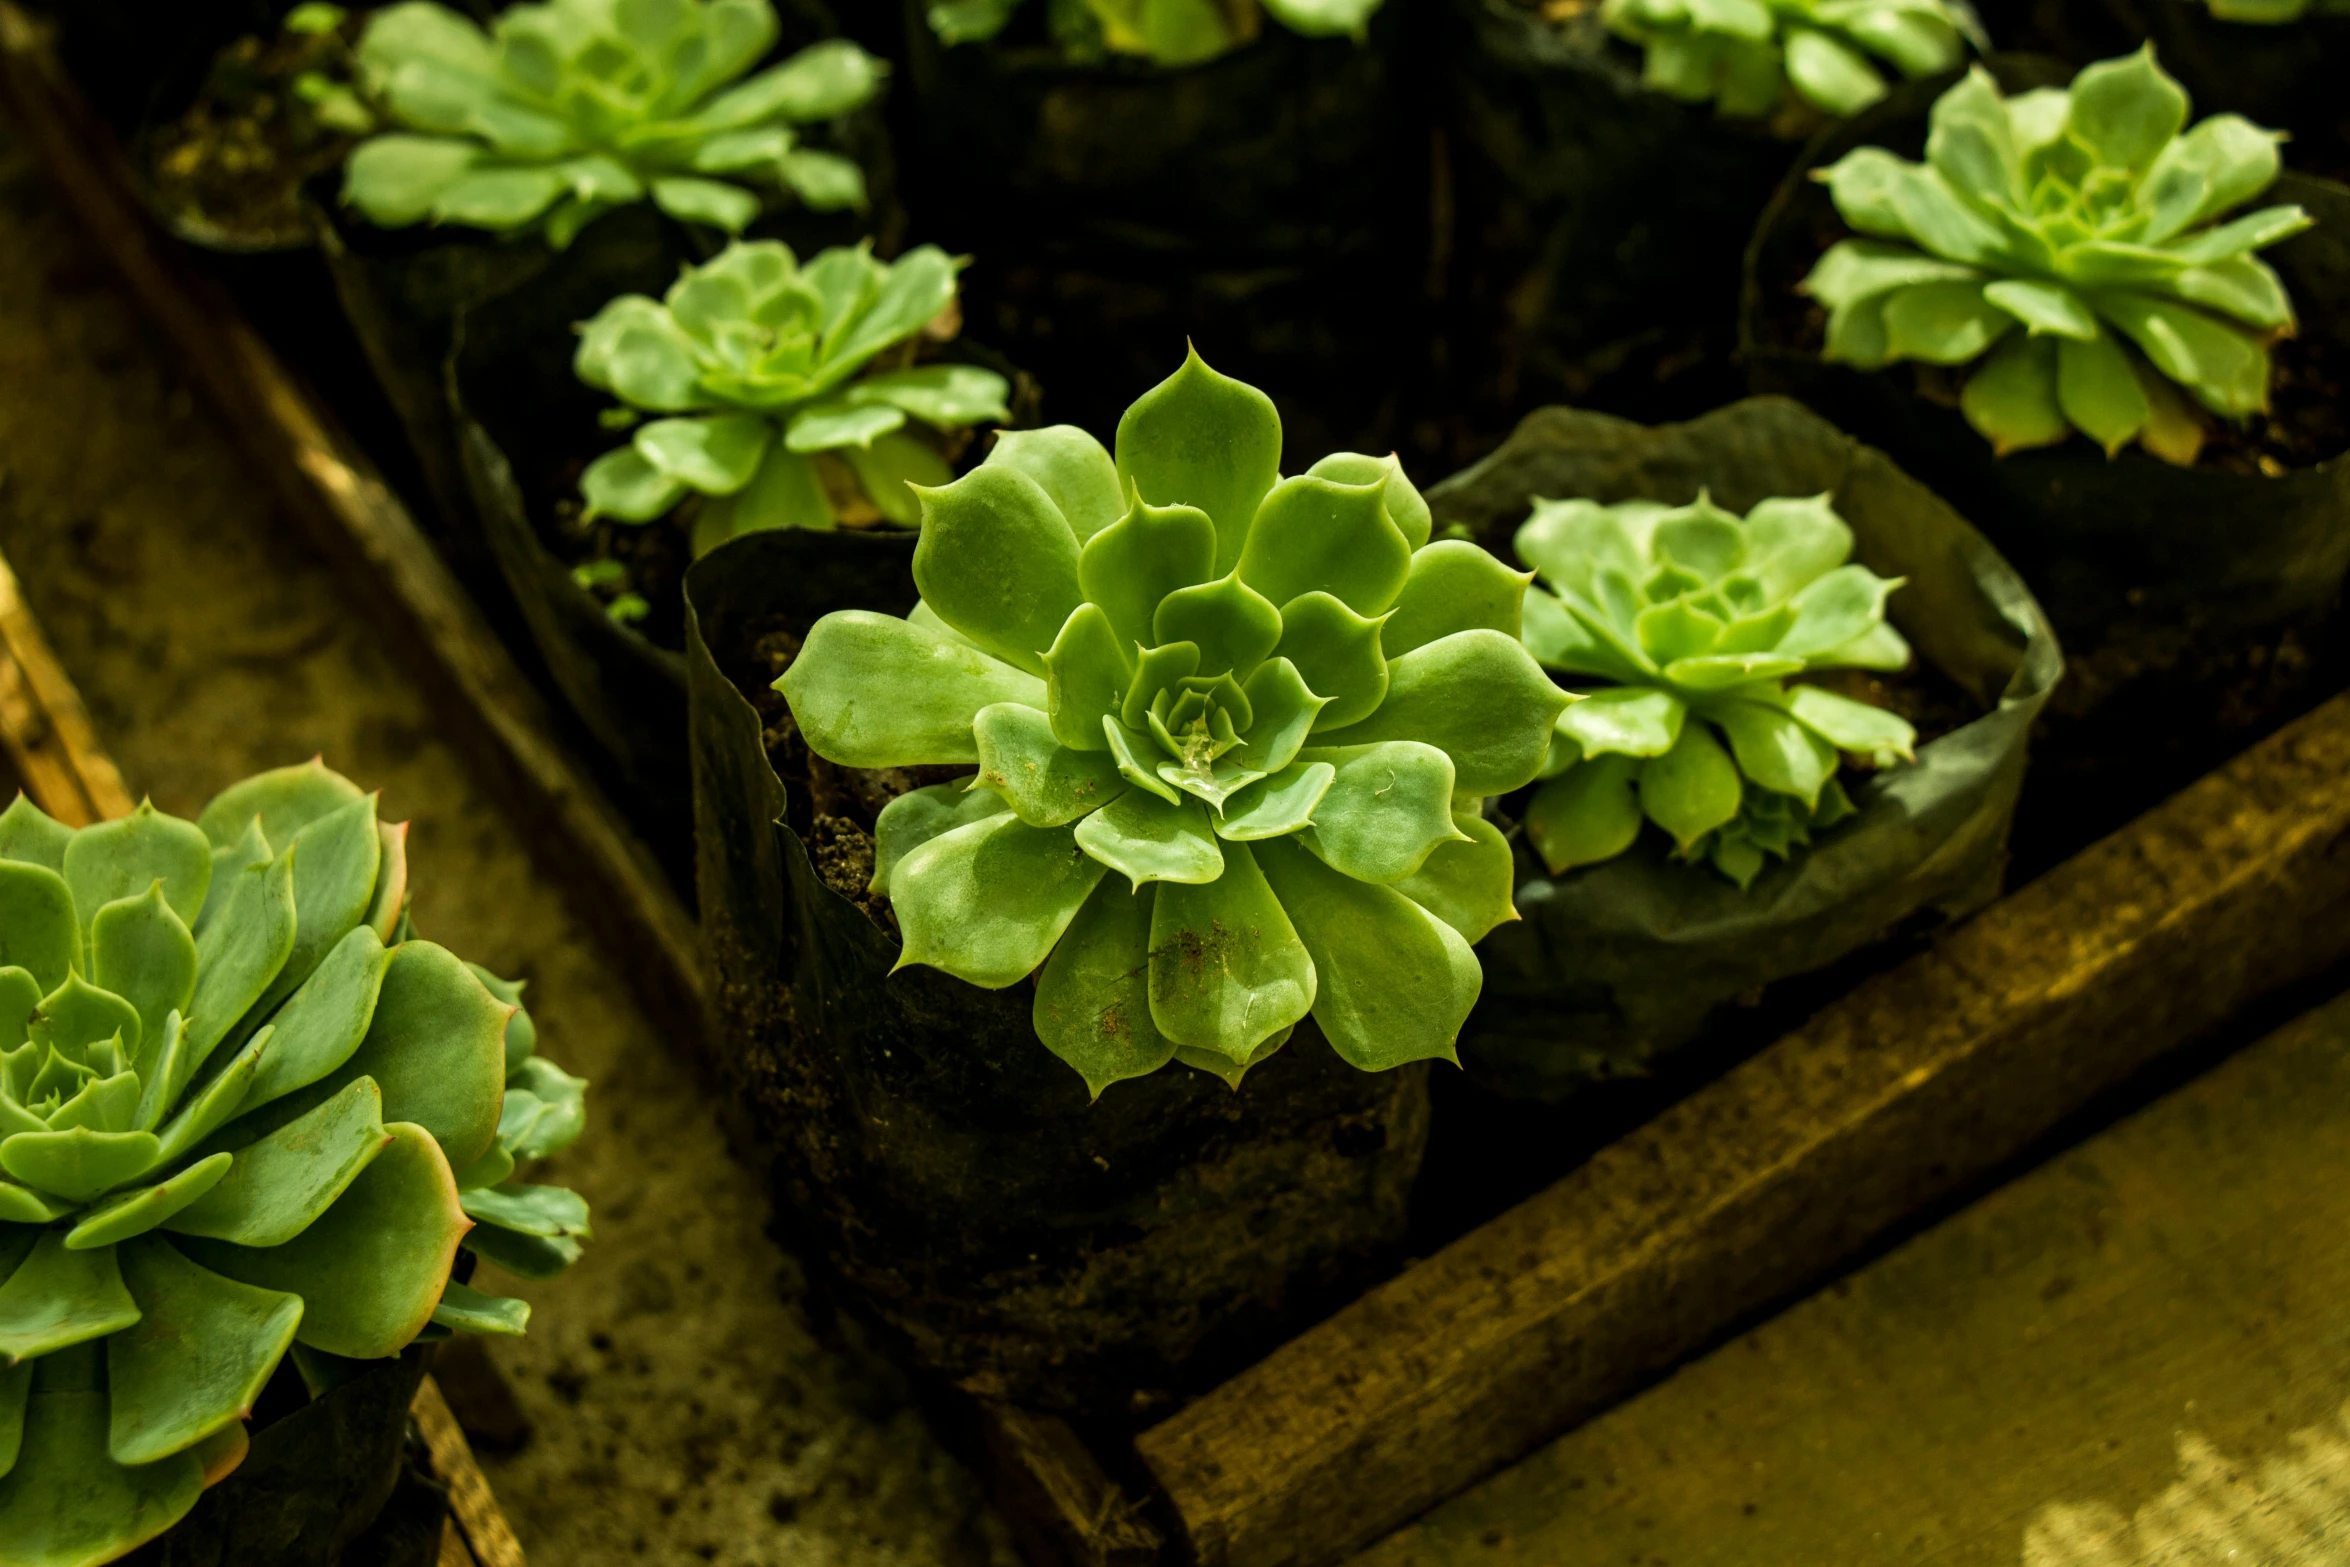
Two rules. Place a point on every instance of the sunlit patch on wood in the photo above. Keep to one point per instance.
(2291, 1510)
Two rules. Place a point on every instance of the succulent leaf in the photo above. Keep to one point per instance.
(2064, 243)
(38, 929)
(767, 363)
(1092, 1003)
(1394, 983)
(1463, 880)
(123, 859)
(1172, 33)
(193, 1138)
(28, 834)
(1759, 57)
(66, 1503)
(198, 1356)
(565, 110)
(1700, 618)
(988, 900)
(1216, 623)
(1205, 440)
(1071, 467)
(371, 1268)
(281, 802)
(1228, 972)
(125, 1214)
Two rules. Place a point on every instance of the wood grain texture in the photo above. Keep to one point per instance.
(1759, 1184)
(2135, 1355)
(1065, 1510)
(473, 1510)
(321, 478)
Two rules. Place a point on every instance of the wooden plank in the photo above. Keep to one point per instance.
(45, 732)
(1757, 1186)
(1064, 1509)
(473, 1509)
(322, 479)
(2134, 1354)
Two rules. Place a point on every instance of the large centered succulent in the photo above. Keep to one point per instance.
(240, 1113)
(565, 110)
(1232, 732)
(1699, 620)
(1751, 57)
(763, 366)
(1168, 32)
(2067, 239)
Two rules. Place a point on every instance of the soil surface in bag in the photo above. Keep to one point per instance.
(1597, 225)
(527, 427)
(326, 1484)
(1615, 966)
(1100, 1258)
(1269, 206)
(2198, 606)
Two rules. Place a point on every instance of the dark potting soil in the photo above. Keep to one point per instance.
(832, 808)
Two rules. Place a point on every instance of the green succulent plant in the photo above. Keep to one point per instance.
(242, 1112)
(1270, 705)
(1699, 620)
(1752, 58)
(2273, 13)
(1166, 32)
(2067, 238)
(564, 110)
(760, 365)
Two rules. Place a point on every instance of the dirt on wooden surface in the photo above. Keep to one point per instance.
(682, 1407)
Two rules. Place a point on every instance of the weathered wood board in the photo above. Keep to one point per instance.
(2134, 1355)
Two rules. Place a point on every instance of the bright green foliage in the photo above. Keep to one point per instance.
(240, 1109)
(1166, 32)
(760, 364)
(2066, 239)
(2273, 13)
(1751, 57)
(1698, 620)
(565, 110)
(1269, 705)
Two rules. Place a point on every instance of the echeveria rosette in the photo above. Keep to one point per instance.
(1233, 733)
(759, 365)
(241, 1113)
(2068, 240)
(565, 110)
(1166, 32)
(1751, 58)
(1699, 620)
